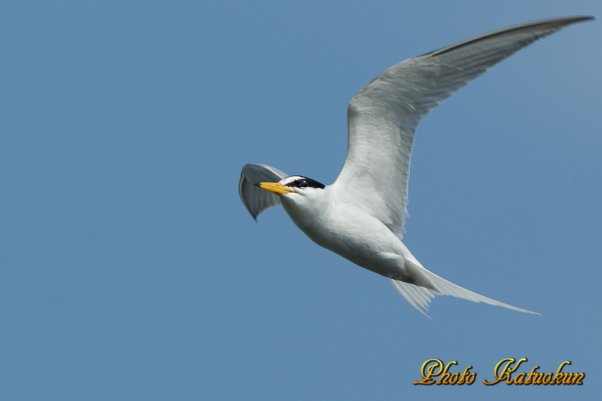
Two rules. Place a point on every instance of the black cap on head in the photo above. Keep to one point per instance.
(298, 181)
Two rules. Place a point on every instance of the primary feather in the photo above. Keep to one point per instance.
(383, 116)
(255, 199)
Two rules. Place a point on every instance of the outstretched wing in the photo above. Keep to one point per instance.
(383, 116)
(255, 199)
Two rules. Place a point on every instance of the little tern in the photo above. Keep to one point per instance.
(361, 215)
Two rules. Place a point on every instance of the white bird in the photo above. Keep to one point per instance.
(361, 215)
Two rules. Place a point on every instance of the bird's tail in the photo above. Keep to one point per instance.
(420, 297)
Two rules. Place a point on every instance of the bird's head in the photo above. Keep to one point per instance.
(301, 197)
(292, 186)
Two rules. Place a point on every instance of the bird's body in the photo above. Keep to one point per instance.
(347, 230)
(361, 215)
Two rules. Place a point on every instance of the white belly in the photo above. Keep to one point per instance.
(356, 236)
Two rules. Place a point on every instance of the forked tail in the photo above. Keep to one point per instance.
(420, 297)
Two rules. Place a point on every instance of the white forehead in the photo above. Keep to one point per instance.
(286, 181)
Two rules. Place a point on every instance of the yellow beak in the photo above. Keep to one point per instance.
(275, 187)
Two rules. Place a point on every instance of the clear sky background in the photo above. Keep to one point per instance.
(129, 269)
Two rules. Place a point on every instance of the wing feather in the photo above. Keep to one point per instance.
(255, 199)
(383, 116)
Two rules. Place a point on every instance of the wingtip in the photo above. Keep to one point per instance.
(566, 20)
(576, 19)
(586, 17)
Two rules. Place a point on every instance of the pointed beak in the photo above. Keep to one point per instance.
(275, 187)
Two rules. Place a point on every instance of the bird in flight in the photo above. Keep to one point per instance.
(361, 215)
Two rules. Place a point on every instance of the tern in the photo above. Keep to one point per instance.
(361, 215)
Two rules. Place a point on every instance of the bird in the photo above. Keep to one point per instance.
(361, 215)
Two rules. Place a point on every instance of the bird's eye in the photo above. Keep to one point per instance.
(303, 184)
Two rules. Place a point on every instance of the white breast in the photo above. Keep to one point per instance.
(348, 231)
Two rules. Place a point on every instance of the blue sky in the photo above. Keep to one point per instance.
(129, 269)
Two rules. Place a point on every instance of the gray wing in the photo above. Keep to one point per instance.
(383, 116)
(255, 199)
